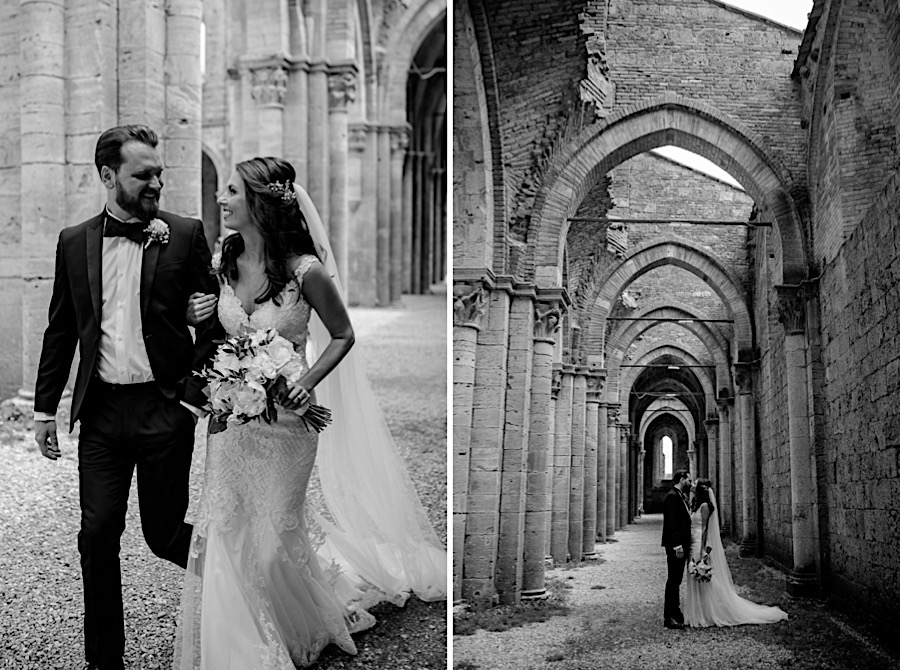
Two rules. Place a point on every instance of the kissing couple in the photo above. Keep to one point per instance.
(693, 546)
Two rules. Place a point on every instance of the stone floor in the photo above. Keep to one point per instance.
(615, 621)
(404, 349)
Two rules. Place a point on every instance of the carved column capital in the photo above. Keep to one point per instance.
(791, 307)
(357, 137)
(399, 142)
(342, 85)
(596, 380)
(268, 85)
(743, 377)
(547, 319)
(612, 414)
(469, 305)
(555, 380)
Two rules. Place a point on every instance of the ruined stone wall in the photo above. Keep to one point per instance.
(848, 94)
(539, 54)
(860, 304)
(708, 51)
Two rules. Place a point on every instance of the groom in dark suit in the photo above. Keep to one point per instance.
(120, 293)
(676, 538)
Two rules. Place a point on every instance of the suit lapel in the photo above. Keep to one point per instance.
(94, 255)
(148, 271)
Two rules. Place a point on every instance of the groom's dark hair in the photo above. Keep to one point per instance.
(678, 475)
(109, 146)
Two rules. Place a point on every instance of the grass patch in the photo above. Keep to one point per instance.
(504, 617)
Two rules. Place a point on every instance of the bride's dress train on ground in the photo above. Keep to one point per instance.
(716, 603)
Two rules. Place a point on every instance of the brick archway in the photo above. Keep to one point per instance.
(653, 352)
(621, 339)
(682, 413)
(671, 250)
(668, 119)
(416, 24)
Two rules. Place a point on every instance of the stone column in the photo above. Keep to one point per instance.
(469, 305)
(622, 484)
(537, 500)
(341, 93)
(692, 459)
(319, 146)
(562, 462)
(42, 98)
(268, 88)
(555, 382)
(509, 570)
(362, 198)
(399, 145)
(602, 466)
(642, 455)
(792, 313)
(383, 218)
(612, 468)
(712, 450)
(408, 195)
(749, 501)
(725, 492)
(485, 454)
(594, 380)
(576, 473)
(183, 86)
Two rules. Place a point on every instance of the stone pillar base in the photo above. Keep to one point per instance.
(479, 593)
(536, 594)
(748, 548)
(592, 556)
(548, 561)
(802, 585)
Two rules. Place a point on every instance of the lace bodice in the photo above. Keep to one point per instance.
(290, 318)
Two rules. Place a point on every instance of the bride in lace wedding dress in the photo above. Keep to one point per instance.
(269, 584)
(716, 602)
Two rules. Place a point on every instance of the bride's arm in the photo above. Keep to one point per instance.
(704, 516)
(321, 293)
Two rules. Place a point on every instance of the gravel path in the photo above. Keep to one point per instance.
(40, 576)
(615, 622)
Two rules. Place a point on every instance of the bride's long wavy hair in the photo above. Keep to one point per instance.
(701, 495)
(280, 222)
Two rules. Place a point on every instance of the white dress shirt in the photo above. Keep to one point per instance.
(123, 356)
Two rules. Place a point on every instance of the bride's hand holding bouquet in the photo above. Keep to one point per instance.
(250, 375)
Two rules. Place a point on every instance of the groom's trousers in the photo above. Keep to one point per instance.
(123, 427)
(672, 607)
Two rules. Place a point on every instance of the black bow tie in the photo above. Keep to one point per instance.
(115, 228)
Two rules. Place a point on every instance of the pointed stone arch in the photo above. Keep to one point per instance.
(668, 119)
(671, 250)
(622, 338)
(654, 352)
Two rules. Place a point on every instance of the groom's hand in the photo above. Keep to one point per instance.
(45, 436)
(679, 552)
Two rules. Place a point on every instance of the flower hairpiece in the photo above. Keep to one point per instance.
(285, 190)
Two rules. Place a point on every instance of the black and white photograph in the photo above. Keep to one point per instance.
(676, 334)
(224, 284)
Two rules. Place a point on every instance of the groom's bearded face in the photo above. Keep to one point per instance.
(138, 181)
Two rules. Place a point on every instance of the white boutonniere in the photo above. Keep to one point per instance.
(156, 231)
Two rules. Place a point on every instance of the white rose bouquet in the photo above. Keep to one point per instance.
(700, 570)
(242, 374)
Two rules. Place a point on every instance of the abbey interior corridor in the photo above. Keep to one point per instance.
(619, 314)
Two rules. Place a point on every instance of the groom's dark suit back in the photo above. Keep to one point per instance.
(169, 273)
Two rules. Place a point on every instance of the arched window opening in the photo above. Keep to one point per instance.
(666, 444)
